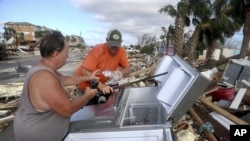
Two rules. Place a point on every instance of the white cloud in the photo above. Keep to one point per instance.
(132, 18)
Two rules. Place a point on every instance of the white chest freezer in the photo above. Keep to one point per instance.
(143, 113)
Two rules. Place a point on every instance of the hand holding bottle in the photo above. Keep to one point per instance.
(115, 75)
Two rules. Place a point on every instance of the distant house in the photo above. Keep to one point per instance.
(223, 52)
(40, 31)
(75, 40)
(27, 29)
(2, 40)
(33, 33)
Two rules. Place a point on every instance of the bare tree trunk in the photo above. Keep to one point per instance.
(179, 30)
(244, 46)
(193, 44)
(210, 50)
(246, 37)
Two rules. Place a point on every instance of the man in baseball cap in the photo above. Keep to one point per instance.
(106, 57)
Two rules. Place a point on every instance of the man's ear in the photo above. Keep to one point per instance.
(55, 53)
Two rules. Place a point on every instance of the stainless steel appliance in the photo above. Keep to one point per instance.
(144, 113)
(235, 71)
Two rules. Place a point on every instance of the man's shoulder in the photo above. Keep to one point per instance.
(99, 45)
(122, 50)
(97, 49)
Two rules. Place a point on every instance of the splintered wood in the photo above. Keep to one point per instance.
(11, 89)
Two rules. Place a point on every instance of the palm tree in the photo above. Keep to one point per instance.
(168, 36)
(210, 25)
(200, 12)
(221, 26)
(180, 14)
(239, 11)
(197, 11)
(209, 30)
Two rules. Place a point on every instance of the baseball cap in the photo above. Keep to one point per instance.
(114, 38)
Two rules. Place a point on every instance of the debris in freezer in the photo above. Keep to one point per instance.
(145, 114)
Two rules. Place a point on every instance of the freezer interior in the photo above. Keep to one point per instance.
(141, 114)
(141, 108)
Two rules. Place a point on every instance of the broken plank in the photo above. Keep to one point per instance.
(218, 109)
(237, 99)
(222, 120)
(209, 135)
(219, 131)
(3, 112)
(11, 104)
(6, 119)
(152, 68)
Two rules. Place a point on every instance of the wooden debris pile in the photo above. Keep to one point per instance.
(11, 89)
(209, 118)
(8, 106)
(225, 102)
(9, 98)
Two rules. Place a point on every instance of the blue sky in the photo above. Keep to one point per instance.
(55, 14)
(91, 19)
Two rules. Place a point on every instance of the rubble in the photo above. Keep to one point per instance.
(209, 118)
(11, 89)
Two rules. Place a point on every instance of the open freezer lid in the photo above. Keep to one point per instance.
(180, 88)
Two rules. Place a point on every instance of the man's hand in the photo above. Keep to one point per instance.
(116, 75)
(89, 92)
(107, 89)
(94, 75)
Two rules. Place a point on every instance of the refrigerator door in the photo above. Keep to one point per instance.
(179, 89)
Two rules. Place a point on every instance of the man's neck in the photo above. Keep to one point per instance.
(49, 63)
